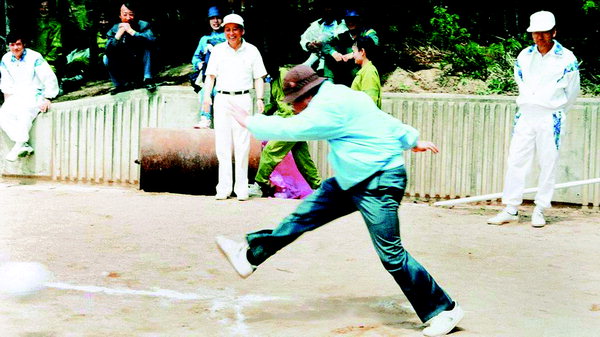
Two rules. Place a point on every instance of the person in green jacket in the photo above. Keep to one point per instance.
(48, 37)
(275, 151)
(367, 79)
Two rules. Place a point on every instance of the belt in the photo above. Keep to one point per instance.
(242, 92)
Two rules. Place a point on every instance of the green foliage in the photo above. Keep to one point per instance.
(467, 58)
(590, 85)
(446, 30)
(500, 79)
(590, 6)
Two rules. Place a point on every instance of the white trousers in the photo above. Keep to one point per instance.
(230, 135)
(534, 132)
(17, 115)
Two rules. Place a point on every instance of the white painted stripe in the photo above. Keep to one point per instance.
(162, 293)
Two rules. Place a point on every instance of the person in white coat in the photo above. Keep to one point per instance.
(548, 78)
(28, 84)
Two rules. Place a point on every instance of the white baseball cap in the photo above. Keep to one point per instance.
(541, 21)
(233, 18)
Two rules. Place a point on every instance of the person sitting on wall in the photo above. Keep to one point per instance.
(129, 52)
(28, 84)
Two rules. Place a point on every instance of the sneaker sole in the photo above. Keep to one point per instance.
(229, 260)
(498, 223)
(502, 223)
(447, 331)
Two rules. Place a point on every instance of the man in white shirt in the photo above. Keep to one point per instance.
(28, 85)
(548, 78)
(238, 66)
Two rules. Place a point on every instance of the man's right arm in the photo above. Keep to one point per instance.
(6, 80)
(111, 40)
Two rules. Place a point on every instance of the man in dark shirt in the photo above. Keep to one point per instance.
(128, 52)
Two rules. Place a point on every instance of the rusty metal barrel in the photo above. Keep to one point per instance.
(184, 160)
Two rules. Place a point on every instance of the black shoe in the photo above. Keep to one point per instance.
(119, 89)
(267, 190)
(149, 84)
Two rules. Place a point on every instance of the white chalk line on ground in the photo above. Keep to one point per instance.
(163, 293)
(61, 187)
(221, 300)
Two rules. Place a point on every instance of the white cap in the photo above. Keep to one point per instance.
(232, 18)
(541, 21)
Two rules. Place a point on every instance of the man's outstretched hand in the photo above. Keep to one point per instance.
(424, 145)
(240, 114)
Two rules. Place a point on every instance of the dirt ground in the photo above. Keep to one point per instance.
(130, 263)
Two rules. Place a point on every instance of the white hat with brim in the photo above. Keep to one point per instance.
(233, 18)
(541, 21)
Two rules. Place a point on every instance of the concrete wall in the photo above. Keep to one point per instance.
(97, 139)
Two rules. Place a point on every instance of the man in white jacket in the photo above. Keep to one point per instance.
(548, 78)
(28, 85)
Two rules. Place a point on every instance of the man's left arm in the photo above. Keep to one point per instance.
(145, 32)
(259, 87)
(49, 81)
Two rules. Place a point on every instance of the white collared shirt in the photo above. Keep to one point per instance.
(549, 82)
(235, 70)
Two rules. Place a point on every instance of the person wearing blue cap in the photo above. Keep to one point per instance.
(200, 61)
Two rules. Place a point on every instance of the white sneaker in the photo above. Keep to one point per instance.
(221, 196)
(235, 252)
(537, 218)
(243, 197)
(254, 190)
(204, 123)
(13, 154)
(503, 217)
(444, 322)
(25, 150)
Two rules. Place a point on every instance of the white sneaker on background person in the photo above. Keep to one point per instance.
(221, 196)
(243, 197)
(26, 150)
(14, 153)
(504, 216)
(444, 322)
(204, 123)
(254, 190)
(537, 218)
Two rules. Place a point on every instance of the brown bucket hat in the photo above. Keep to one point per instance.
(298, 81)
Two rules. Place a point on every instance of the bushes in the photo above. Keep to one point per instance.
(492, 63)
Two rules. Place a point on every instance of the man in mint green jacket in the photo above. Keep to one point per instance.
(366, 153)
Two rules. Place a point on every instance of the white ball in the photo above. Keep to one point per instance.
(19, 279)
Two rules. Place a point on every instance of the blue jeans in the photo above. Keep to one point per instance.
(377, 199)
(124, 68)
